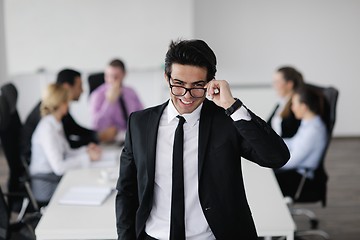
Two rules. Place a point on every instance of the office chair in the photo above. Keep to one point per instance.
(95, 80)
(19, 190)
(10, 136)
(8, 229)
(311, 191)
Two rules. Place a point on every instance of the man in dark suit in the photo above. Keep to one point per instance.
(180, 171)
(76, 135)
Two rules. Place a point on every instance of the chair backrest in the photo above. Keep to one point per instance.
(29, 127)
(10, 135)
(8, 99)
(312, 193)
(4, 112)
(330, 95)
(95, 80)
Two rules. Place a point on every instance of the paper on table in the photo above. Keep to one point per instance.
(85, 195)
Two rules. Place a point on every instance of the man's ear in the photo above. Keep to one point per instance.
(166, 77)
(66, 86)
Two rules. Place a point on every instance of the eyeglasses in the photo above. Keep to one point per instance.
(181, 91)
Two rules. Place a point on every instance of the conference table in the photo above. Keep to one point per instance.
(270, 212)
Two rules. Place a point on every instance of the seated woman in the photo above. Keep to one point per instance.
(285, 81)
(307, 145)
(51, 153)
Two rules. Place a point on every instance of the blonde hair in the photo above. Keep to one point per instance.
(53, 96)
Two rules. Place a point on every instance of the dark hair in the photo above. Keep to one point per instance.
(312, 98)
(67, 76)
(117, 63)
(292, 75)
(191, 52)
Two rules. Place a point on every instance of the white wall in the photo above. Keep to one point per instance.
(321, 38)
(86, 34)
(3, 68)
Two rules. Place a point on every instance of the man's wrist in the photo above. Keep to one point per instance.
(229, 103)
(235, 106)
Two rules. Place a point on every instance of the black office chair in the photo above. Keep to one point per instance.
(315, 190)
(19, 191)
(22, 229)
(9, 135)
(95, 80)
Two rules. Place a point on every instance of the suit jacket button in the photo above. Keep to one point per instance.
(207, 208)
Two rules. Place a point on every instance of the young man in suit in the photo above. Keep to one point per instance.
(180, 171)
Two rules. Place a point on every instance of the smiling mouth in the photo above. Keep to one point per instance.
(186, 102)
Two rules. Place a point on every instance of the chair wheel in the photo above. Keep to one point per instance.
(314, 223)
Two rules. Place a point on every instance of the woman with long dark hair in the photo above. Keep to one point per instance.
(286, 80)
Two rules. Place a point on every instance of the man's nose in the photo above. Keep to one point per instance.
(187, 94)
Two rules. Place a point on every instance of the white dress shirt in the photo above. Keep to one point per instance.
(277, 119)
(51, 152)
(307, 146)
(158, 223)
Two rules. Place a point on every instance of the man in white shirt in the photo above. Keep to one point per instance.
(180, 172)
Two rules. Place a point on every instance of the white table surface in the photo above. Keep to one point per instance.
(270, 213)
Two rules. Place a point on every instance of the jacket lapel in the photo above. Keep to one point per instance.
(204, 132)
(152, 132)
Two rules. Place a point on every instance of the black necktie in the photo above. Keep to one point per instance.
(177, 223)
(123, 109)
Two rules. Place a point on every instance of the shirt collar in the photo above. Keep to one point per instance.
(58, 125)
(190, 118)
(305, 122)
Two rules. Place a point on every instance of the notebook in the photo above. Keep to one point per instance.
(85, 195)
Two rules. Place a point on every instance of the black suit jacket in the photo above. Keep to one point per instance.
(76, 135)
(221, 190)
(289, 125)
